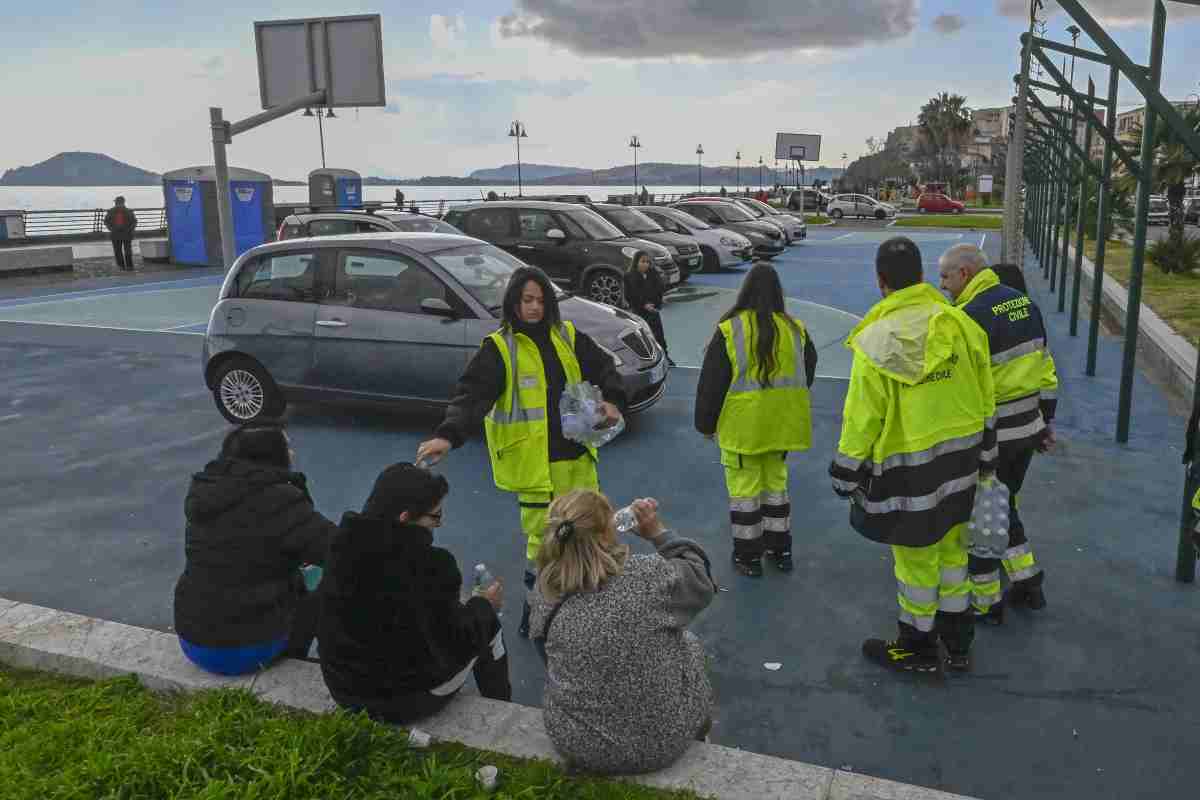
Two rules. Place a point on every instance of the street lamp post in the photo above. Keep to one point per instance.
(517, 131)
(699, 155)
(635, 143)
(843, 182)
(328, 113)
(738, 157)
(760, 169)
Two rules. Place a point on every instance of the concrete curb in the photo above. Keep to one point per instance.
(1162, 351)
(33, 637)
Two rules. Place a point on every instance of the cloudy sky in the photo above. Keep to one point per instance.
(135, 80)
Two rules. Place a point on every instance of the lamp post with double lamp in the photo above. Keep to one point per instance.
(699, 155)
(842, 182)
(328, 113)
(517, 131)
(760, 169)
(635, 143)
(738, 158)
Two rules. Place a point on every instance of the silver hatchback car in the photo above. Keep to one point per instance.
(384, 317)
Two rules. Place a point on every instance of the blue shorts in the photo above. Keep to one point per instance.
(233, 660)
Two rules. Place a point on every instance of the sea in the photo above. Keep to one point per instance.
(49, 198)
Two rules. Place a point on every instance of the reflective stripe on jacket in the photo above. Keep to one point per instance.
(1022, 367)
(518, 435)
(919, 418)
(756, 418)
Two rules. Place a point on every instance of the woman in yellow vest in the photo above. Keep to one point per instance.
(513, 384)
(753, 396)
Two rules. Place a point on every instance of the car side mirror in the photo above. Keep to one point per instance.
(438, 307)
(556, 234)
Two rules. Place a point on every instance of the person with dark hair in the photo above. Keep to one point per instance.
(396, 639)
(514, 385)
(644, 294)
(1011, 276)
(918, 427)
(399, 199)
(1026, 383)
(121, 222)
(753, 397)
(241, 601)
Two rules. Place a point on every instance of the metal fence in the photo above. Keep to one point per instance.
(85, 222)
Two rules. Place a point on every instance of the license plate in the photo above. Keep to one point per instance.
(693, 261)
(659, 371)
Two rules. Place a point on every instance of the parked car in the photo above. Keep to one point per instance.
(766, 238)
(807, 199)
(754, 212)
(576, 247)
(334, 223)
(632, 222)
(718, 247)
(390, 318)
(794, 224)
(859, 205)
(939, 204)
(1191, 210)
(1159, 213)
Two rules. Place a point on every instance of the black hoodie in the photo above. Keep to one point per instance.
(392, 623)
(249, 528)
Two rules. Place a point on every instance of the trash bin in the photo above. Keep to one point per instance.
(335, 188)
(12, 224)
(193, 222)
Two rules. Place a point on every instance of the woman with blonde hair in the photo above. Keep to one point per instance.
(626, 688)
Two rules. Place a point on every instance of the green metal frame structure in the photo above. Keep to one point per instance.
(1053, 165)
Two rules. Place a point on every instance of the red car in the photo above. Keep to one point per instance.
(939, 204)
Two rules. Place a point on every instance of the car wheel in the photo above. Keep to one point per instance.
(880, 215)
(958, 210)
(922, 210)
(836, 213)
(712, 262)
(244, 392)
(605, 286)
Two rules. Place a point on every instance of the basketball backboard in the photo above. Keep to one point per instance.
(798, 146)
(342, 55)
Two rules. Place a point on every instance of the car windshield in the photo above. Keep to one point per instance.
(1158, 206)
(751, 210)
(686, 220)
(421, 225)
(731, 213)
(483, 270)
(761, 206)
(594, 225)
(631, 221)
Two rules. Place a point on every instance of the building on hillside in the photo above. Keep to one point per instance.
(1129, 123)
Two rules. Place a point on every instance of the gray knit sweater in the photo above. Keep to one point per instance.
(626, 687)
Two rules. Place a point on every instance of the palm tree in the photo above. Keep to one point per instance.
(1174, 164)
(946, 123)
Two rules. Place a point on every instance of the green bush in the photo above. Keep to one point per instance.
(1175, 254)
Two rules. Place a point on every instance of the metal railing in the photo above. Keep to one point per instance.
(85, 222)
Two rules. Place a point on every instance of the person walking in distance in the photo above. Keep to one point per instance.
(918, 428)
(513, 385)
(1026, 396)
(644, 294)
(753, 397)
(121, 222)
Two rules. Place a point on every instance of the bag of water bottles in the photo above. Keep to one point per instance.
(988, 527)
(582, 409)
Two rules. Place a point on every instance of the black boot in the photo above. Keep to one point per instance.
(1028, 593)
(750, 567)
(782, 559)
(956, 630)
(994, 616)
(912, 651)
(523, 629)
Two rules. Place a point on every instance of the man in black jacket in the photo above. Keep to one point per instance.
(121, 222)
(396, 640)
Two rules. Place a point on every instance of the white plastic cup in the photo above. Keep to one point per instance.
(418, 739)
(487, 777)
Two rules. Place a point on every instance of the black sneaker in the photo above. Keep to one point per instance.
(749, 568)
(958, 662)
(1022, 595)
(783, 560)
(994, 616)
(523, 629)
(902, 656)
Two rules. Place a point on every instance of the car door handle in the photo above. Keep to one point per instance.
(332, 323)
(526, 247)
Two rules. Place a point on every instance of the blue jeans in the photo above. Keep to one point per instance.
(233, 660)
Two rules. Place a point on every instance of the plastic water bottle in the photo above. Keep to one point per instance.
(483, 579)
(312, 576)
(625, 520)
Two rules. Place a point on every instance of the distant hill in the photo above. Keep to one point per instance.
(80, 169)
(529, 172)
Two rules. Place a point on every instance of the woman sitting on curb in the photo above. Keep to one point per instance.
(241, 602)
(396, 640)
(626, 689)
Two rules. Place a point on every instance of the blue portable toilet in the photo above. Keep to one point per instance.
(335, 188)
(193, 222)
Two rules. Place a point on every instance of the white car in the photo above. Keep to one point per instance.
(1158, 212)
(720, 247)
(858, 205)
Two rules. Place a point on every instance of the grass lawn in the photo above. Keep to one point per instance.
(67, 738)
(980, 222)
(816, 219)
(1175, 298)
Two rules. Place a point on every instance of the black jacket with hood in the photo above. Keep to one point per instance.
(392, 623)
(249, 528)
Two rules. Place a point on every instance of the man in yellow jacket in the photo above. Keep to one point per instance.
(917, 429)
(1026, 396)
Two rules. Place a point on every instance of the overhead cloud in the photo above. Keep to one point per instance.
(1113, 12)
(446, 31)
(947, 24)
(446, 85)
(715, 29)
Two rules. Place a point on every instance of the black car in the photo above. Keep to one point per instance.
(767, 239)
(575, 246)
(1191, 210)
(683, 249)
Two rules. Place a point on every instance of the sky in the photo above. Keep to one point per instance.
(135, 80)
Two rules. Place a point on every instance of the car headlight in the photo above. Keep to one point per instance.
(729, 241)
(616, 358)
(628, 251)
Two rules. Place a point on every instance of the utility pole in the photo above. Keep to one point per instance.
(635, 143)
(517, 131)
(699, 154)
(739, 168)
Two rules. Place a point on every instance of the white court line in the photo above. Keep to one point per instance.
(843, 236)
(100, 327)
(96, 297)
(982, 239)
